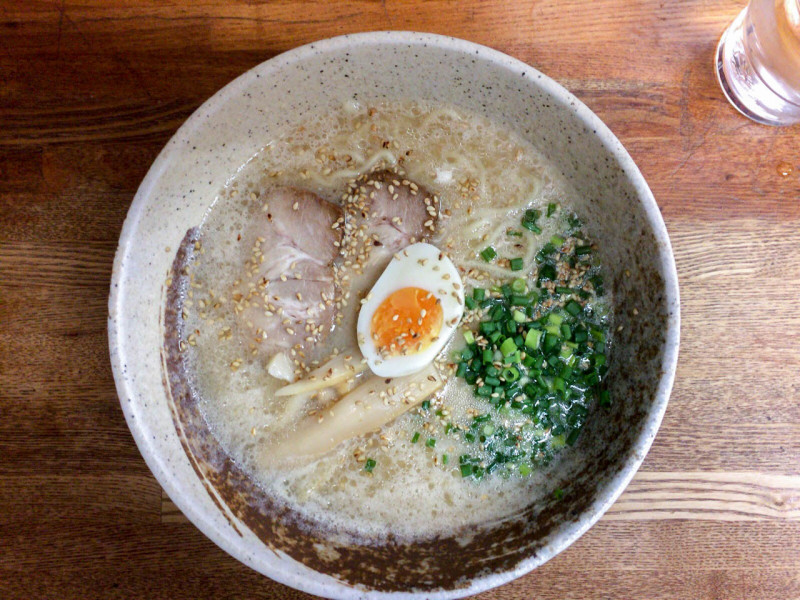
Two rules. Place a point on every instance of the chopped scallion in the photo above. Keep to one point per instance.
(510, 374)
(532, 338)
(518, 286)
(508, 347)
(531, 226)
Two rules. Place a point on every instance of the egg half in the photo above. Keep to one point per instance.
(411, 311)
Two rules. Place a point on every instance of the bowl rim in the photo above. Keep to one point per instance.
(612, 489)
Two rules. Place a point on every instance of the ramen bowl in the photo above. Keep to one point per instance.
(224, 134)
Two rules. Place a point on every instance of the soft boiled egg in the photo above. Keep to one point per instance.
(411, 311)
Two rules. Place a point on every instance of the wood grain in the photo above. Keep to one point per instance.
(91, 91)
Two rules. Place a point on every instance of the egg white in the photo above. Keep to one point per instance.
(418, 265)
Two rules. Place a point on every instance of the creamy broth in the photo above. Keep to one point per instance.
(484, 177)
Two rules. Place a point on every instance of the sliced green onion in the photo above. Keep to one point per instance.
(547, 272)
(532, 338)
(446, 459)
(479, 294)
(551, 208)
(518, 286)
(573, 308)
(573, 436)
(524, 469)
(426, 405)
(470, 302)
(517, 264)
(551, 341)
(469, 337)
(513, 233)
(581, 250)
(466, 470)
(510, 374)
(488, 254)
(554, 319)
(520, 300)
(508, 347)
(532, 215)
(557, 241)
(531, 226)
(369, 465)
(431, 442)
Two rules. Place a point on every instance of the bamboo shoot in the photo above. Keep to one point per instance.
(367, 408)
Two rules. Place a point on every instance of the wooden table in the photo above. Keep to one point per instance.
(91, 91)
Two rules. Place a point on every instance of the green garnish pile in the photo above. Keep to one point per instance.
(537, 358)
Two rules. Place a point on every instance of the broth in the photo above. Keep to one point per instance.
(393, 481)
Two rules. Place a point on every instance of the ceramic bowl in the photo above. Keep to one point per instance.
(228, 130)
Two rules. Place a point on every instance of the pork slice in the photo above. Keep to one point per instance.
(286, 301)
(305, 221)
(384, 213)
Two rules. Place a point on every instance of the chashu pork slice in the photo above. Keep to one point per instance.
(384, 213)
(287, 299)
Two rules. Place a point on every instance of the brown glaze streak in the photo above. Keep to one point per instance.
(390, 564)
(172, 318)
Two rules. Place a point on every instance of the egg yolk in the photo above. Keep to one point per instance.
(406, 322)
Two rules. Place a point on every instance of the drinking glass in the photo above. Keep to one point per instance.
(758, 61)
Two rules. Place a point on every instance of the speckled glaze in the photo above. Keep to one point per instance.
(209, 149)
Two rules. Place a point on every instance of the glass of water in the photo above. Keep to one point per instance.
(758, 62)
